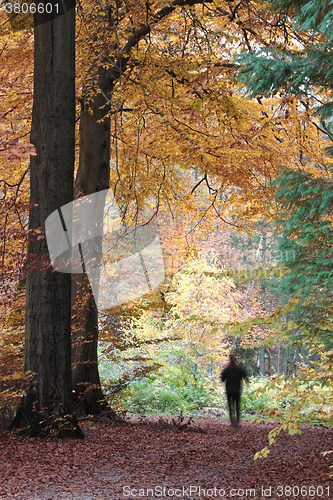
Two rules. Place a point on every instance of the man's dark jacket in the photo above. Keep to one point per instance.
(233, 374)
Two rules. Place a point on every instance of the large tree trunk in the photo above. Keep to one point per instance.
(47, 407)
(93, 175)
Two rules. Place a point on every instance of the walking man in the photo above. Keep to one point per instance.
(233, 375)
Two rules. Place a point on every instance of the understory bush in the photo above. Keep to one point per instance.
(156, 396)
(179, 379)
(184, 380)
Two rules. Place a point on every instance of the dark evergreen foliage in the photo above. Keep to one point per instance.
(306, 204)
(298, 72)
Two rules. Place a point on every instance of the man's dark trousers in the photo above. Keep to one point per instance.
(233, 404)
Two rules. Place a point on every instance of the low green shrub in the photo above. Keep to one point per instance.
(157, 396)
(252, 402)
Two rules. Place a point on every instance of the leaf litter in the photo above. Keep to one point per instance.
(196, 458)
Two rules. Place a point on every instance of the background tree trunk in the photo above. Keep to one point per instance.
(263, 291)
(285, 362)
(93, 175)
(47, 407)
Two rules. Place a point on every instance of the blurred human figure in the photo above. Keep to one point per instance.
(233, 375)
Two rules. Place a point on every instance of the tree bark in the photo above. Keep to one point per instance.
(93, 175)
(263, 289)
(47, 407)
(285, 362)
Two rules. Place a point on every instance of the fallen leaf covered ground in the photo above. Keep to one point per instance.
(154, 461)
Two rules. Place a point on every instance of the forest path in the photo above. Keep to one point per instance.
(122, 462)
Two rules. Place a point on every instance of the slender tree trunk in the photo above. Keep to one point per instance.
(250, 288)
(262, 349)
(47, 407)
(285, 362)
(295, 358)
(93, 175)
(262, 361)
